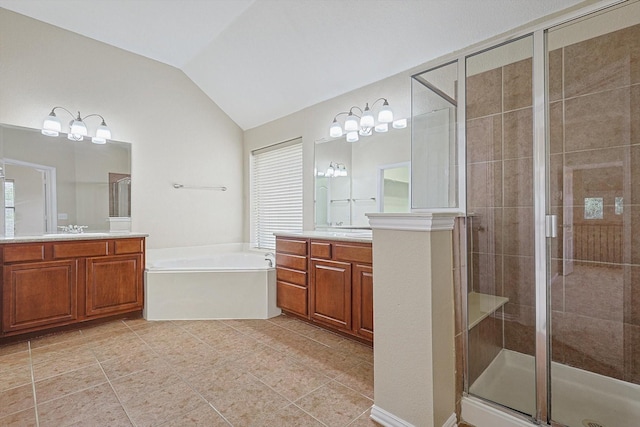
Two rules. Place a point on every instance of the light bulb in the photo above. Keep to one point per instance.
(51, 125)
(400, 124)
(385, 115)
(352, 136)
(103, 131)
(382, 127)
(367, 120)
(330, 171)
(335, 131)
(351, 123)
(77, 130)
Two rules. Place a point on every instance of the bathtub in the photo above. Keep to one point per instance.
(209, 282)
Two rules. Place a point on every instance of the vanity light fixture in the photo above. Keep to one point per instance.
(365, 123)
(52, 126)
(334, 170)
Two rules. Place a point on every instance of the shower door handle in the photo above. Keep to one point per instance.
(551, 226)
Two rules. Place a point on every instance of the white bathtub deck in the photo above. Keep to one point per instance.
(188, 295)
(577, 395)
(215, 282)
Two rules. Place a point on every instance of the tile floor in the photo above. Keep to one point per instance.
(278, 372)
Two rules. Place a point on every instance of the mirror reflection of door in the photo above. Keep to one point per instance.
(32, 197)
(394, 188)
(322, 199)
(119, 195)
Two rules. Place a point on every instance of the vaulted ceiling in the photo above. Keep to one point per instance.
(263, 59)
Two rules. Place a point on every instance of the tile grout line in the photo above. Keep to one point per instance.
(358, 417)
(290, 402)
(180, 376)
(33, 385)
(109, 382)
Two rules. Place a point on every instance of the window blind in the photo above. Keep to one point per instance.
(276, 191)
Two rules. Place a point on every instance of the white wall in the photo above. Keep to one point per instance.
(177, 133)
(312, 124)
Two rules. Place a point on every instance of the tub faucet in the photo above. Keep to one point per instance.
(270, 258)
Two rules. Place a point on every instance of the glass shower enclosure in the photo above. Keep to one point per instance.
(550, 140)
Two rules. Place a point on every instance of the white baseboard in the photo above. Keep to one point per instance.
(387, 419)
(452, 421)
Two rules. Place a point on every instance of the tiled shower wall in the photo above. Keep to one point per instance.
(500, 203)
(594, 93)
(594, 133)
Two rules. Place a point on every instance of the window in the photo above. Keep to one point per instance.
(9, 208)
(593, 207)
(276, 191)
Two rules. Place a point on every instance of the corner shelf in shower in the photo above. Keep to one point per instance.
(482, 306)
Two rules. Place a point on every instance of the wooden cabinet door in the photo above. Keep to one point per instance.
(292, 293)
(39, 294)
(330, 301)
(363, 301)
(113, 284)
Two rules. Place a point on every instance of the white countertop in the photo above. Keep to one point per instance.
(364, 236)
(69, 236)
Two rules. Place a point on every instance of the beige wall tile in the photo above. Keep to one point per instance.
(484, 185)
(555, 75)
(518, 231)
(518, 133)
(520, 328)
(484, 139)
(517, 89)
(485, 342)
(601, 63)
(518, 182)
(519, 280)
(597, 121)
(484, 94)
(592, 344)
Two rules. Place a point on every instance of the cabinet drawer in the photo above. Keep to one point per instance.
(84, 249)
(128, 246)
(292, 276)
(295, 247)
(292, 298)
(321, 250)
(296, 262)
(24, 253)
(354, 253)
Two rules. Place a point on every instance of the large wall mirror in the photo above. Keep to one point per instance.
(353, 179)
(49, 182)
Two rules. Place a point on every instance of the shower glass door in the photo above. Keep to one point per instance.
(500, 240)
(593, 67)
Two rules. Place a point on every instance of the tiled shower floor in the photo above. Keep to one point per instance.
(277, 372)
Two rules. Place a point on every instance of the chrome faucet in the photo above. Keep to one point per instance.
(73, 229)
(270, 258)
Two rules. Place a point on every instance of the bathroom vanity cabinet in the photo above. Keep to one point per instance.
(327, 282)
(46, 284)
(292, 278)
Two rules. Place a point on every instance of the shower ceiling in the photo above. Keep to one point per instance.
(263, 59)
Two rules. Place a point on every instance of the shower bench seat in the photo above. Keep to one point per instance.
(482, 306)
